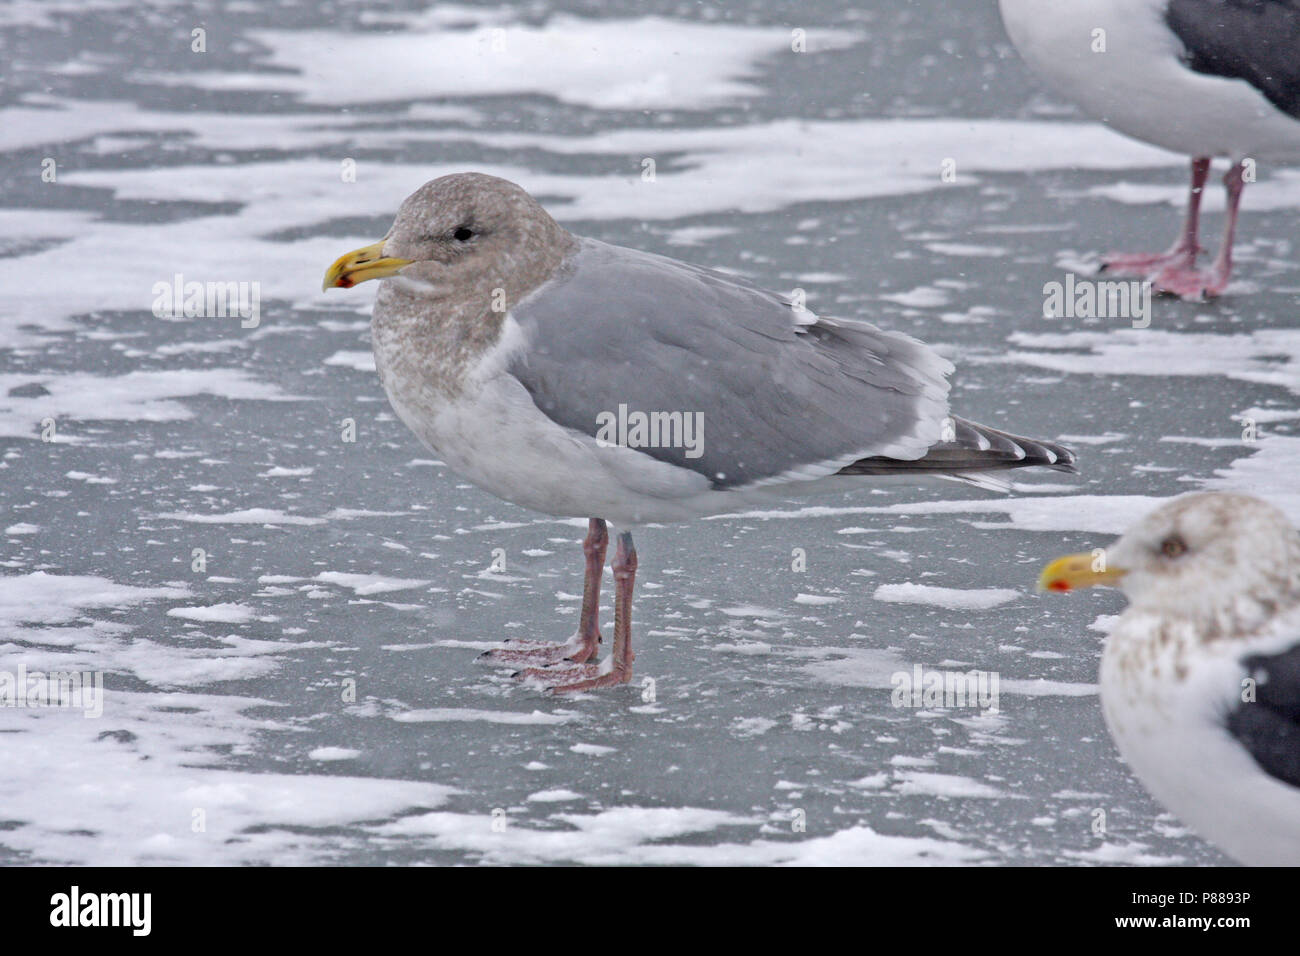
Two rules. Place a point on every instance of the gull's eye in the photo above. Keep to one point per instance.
(463, 234)
(1173, 547)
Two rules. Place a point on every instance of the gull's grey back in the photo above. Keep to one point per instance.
(622, 327)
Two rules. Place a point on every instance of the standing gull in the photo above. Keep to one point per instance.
(1209, 78)
(1200, 679)
(578, 378)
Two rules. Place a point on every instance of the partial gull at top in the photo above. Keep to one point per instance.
(1209, 78)
(582, 379)
(1200, 678)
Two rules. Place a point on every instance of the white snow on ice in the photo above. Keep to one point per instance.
(979, 599)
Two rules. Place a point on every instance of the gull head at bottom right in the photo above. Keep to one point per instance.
(1200, 676)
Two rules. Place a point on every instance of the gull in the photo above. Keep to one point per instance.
(1208, 78)
(582, 379)
(1200, 678)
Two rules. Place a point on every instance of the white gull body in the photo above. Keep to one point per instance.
(1142, 85)
(1165, 707)
(1200, 677)
(1209, 78)
(779, 393)
(504, 342)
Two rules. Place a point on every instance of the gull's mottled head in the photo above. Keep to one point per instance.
(462, 231)
(1223, 560)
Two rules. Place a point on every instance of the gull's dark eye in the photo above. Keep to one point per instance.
(463, 234)
(1173, 547)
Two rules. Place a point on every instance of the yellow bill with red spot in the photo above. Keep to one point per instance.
(368, 262)
(1077, 571)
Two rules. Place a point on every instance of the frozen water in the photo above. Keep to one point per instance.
(286, 622)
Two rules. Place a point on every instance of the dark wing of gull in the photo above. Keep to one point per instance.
(1269, 727)
(1253, 40)
(971, 448)
(782, 395)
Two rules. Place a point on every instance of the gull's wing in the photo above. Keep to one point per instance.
(1269, 727)
(1253, 40)
(782, 395)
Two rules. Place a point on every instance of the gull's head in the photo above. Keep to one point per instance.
(460, 231)
(1211, 557)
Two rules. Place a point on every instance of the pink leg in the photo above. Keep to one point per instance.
(1184, 250)
(1191, 283)
(582, 646)
(617, 668)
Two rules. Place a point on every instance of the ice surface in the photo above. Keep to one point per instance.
(44, 598)
(286, 622)
(617, 63)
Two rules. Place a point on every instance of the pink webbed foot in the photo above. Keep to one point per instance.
(542, 653)
(1143, 264)
(1190, 284)
(571, 668)
(576, 678)
(1175, 272)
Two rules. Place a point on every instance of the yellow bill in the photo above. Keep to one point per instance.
(1076, 571)
(362, 264)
